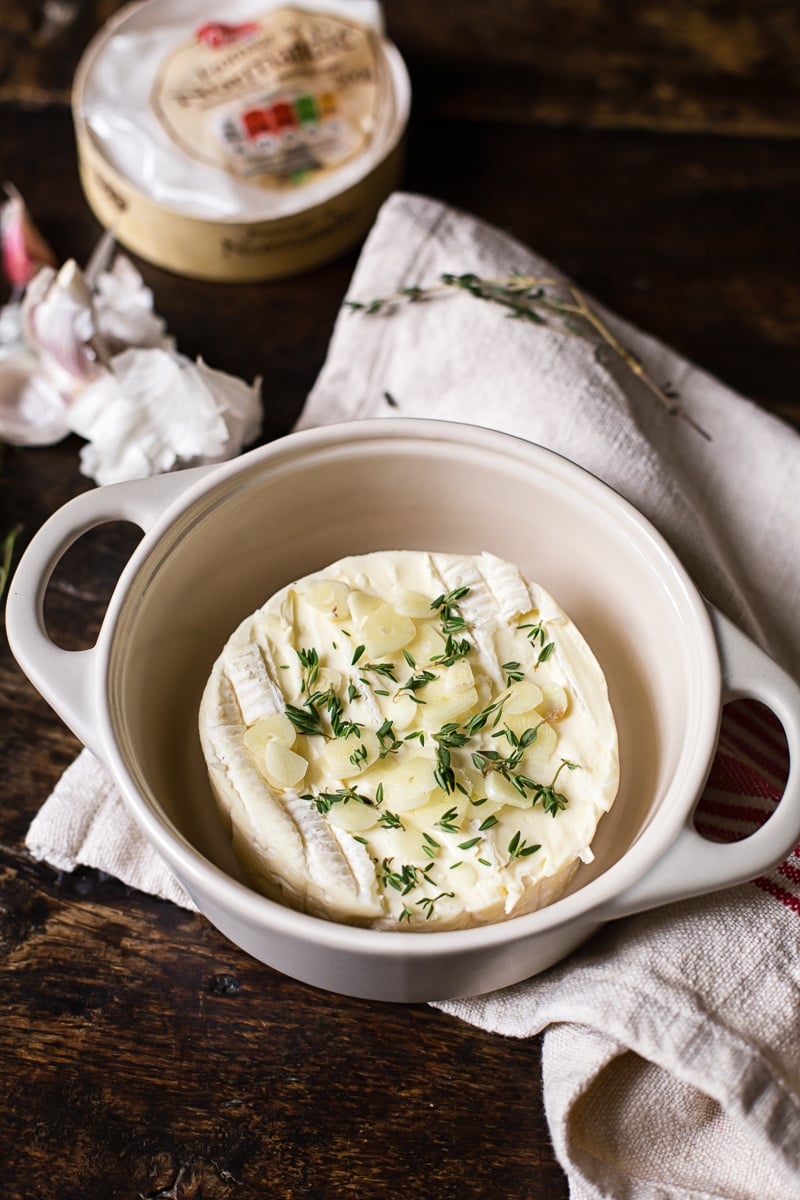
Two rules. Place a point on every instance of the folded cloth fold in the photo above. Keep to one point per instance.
(671, 1057)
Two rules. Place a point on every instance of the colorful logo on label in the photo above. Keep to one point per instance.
(288, 136)
(217, 33)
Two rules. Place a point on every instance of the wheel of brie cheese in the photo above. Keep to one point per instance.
(410, 741)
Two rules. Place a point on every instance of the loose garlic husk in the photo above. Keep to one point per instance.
(154, 410)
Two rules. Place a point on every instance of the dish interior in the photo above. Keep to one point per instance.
(292, 511)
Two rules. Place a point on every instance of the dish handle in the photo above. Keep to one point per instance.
(693, 866)
(68, 679)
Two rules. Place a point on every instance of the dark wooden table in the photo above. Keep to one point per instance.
(652, 150)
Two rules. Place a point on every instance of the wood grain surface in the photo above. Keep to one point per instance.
(651, 151)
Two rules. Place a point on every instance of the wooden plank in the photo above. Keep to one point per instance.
(687, 65)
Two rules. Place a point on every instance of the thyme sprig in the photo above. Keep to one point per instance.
(324, 801)
(518, 847)
(415, 682)
(306, 719)
(385, 669)
(454, 649)
(545, 794)
(453, 736)
(542, 301)
(537, 637)
(309, 661)
(403, 881)
(427, 903)
(390, 744)
(6, 555)
(450, 614)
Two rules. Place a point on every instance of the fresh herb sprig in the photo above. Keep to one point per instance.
(454, 649)
(450, 614)
(415, 683)
(553, 802)
(309, 661)
(427, 903)
(537, 636)
(403, 881)
(7, 554)
(306, 719)
(518, 847)
(546, 302)
(324, 801)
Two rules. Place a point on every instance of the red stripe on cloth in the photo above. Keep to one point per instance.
(789, 871)
(729, 774)
(774, 889)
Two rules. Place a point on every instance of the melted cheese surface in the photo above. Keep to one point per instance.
(411, 740)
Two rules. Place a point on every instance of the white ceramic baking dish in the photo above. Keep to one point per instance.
(218, 541)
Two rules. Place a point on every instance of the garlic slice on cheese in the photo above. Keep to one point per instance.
(410, 740)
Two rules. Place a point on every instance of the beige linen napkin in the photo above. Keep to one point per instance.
(671, 1057)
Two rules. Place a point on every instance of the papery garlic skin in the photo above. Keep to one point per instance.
(87, 353)
(33, 411)
(153, 411)
(124, 309)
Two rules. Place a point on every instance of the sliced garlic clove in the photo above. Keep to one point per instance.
(328, 596)
(554, 702)
(427, 644)
(502, 792)
(543, 748)
(455, 807)
(413, 604)
(521, 697)
(521, 722)
(353, 816)
(442, 707)
(404, 712)
(328, 679)
(275, 728)
(384, 632)
(282, 766)
(409, 784)
(457, 678)
(347, 758)
(361, 604)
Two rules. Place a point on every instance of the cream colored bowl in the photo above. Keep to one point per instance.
(218, 541)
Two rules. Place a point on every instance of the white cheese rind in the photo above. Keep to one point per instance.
(396, 834)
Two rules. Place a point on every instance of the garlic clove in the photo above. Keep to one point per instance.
(58, 322)
(124, 309)
(24, 250)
